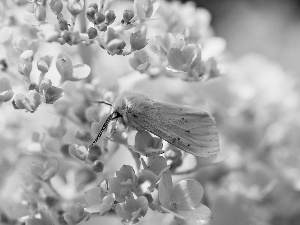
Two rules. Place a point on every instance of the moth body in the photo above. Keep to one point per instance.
(185, 127)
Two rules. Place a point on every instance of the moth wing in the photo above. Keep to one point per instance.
(185, 127)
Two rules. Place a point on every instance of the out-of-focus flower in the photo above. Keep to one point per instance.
(75, 6)
(45, 172)
(139, 61)
(6, 92)
(116, 46)
(132, 209)
(3, 65)
(44, 63)
(138, 41)
(110, 17)
(25, 63)
(92, 32)
(49, 32)
(94, 6)
(59, 130)
(168, 41)
(99, 18)
(50, 93)
(183, 199)
(23, 45)
(31, 101)
(177, 17)
(123, 183)
(71, 37)
(154, 170)
(78, 152)
(56, 6)
(145, 9)
(98, 166)
(83, 135)
(40, 13)
(76, 214)
(127, 16)
(70, 72)
(63, 24)
(90, 14)
(83, 177)
(99, 200)
(147, 145)
(187, 61)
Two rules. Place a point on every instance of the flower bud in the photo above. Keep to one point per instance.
(26, 55)
(5, 90)
(63, 24)
(102, 27)
(110, 16)
(3, 65)
(56, 6)
(90, 14)
(98, 166)
(66, 35)
(94, 6)
(140, 61)
(75, 6)
(40, 13)
(44, 63)
(127, 15)
(25, 68)
(33, 86)
(99, 18)
(115, 46)
(92, 32)
(64, 149)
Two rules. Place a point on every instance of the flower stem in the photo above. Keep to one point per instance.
(73, 22)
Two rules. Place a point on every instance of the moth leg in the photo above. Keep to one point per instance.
(111, 117)
(112, 134)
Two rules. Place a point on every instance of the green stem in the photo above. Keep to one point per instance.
(101, 5)
(42, 76)
(73, 22)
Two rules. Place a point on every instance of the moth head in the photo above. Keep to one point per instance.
(120, 103)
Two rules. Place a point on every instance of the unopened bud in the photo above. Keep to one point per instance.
(43, 63)
(116, 46)
(90, 14)
(99, 18)
(98, 166)
(66, 35)
(75, 6)
(110, 16)
(33, 86)
(25, 68)
(63, 24)
(56, 6)
(26, 55)
(127, 15)
(40, 13)
(102, 27)
(92, 32)
(94, 6)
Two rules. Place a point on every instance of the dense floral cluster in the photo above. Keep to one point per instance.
(66, 60)
(66, 170)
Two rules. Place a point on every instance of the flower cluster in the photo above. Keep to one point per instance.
(55, 55)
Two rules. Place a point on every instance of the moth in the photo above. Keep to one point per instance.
(188, 128)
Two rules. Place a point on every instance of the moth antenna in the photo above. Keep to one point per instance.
(111, 117)
(104, 102)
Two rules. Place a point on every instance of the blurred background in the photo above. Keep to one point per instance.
(268, 27)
